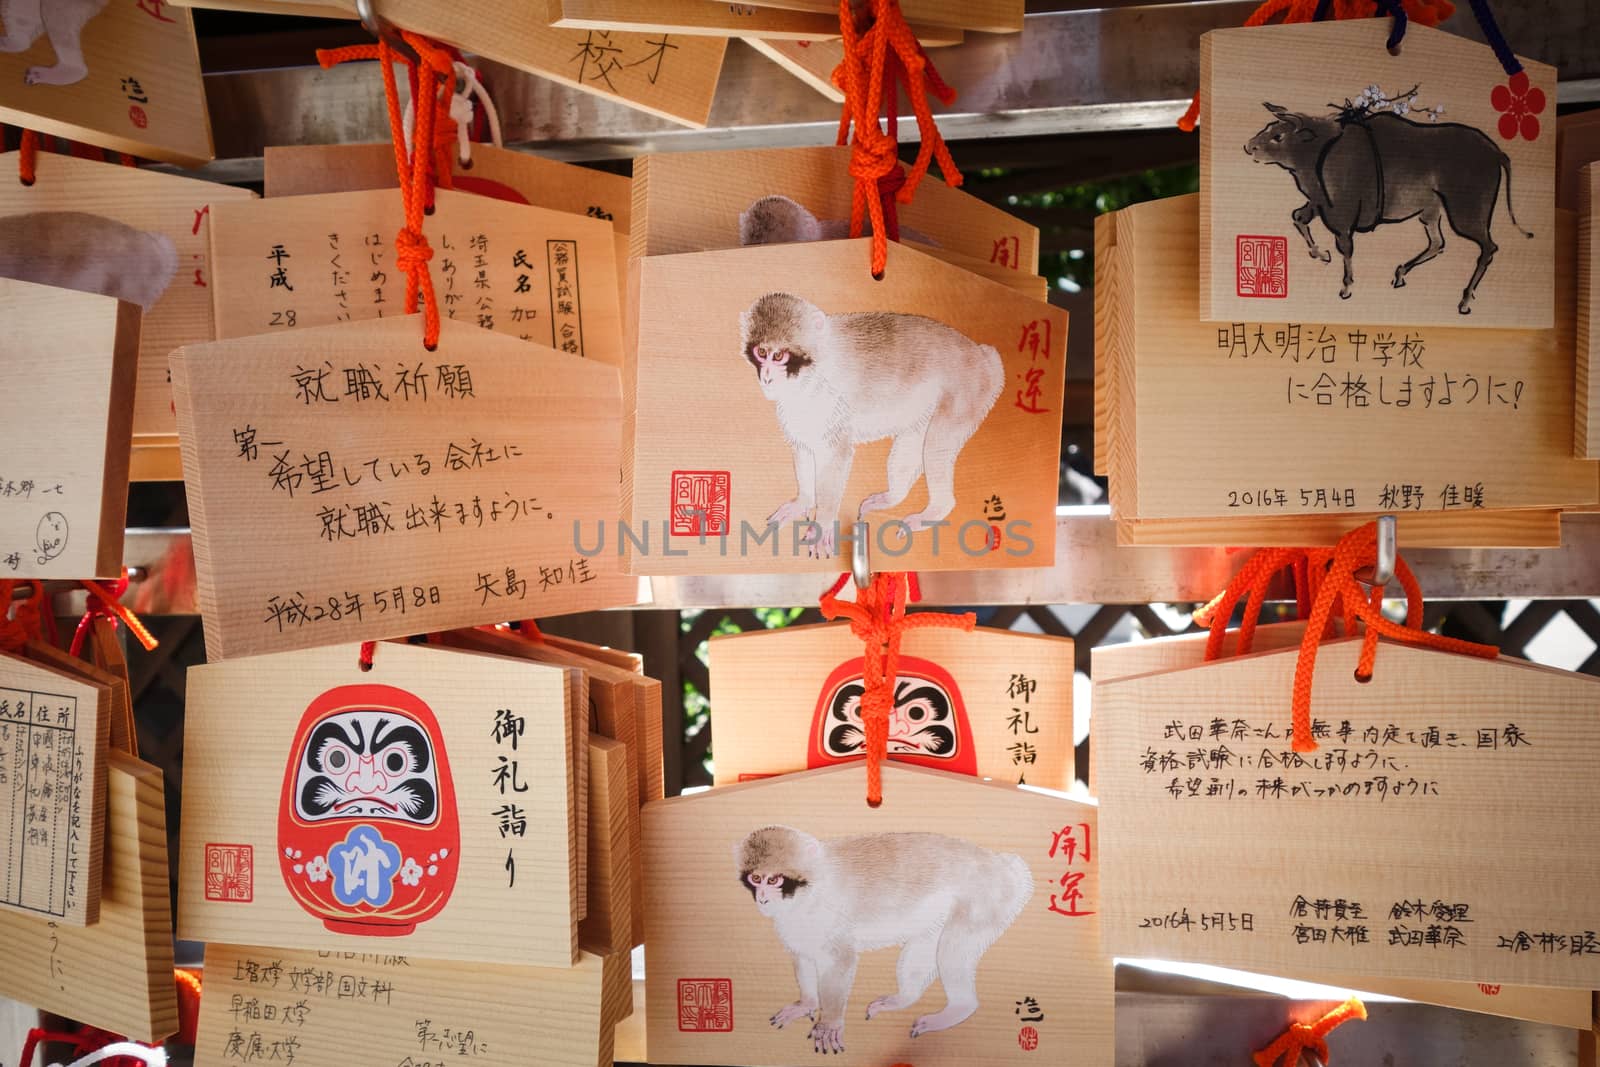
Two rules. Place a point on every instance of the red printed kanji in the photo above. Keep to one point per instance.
(153, 9)
(700, 501)
(230, 873)
(1065, 841)
(1035, 341)
(705, 1005)
(1263, 266)
(1028, 1038)
(1488, 990)
(1070, 900)
(200, 213)
(1007, 252)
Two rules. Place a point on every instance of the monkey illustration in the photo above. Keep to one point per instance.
(843, 380)
(63, 22)
(944, 900)
(776, 220)
(77, 250)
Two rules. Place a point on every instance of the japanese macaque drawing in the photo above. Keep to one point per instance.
(942, 899)
(844, 380)
(777, 220)
(77, 250)
(24, 21)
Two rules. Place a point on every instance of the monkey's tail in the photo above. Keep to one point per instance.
(1505, 165)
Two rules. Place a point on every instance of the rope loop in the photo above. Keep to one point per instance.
(1313, 1037)
(878, 617)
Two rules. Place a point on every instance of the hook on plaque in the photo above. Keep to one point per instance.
(1388, 551)
(1309, 1058)
(385, 31)
(860, 559)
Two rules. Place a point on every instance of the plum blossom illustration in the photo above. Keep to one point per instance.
(1519, 105)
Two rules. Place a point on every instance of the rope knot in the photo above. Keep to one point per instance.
(411, 250)
(1301, 1037)
(105, 602)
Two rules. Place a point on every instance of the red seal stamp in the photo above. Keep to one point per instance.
(1263, 264)
(705, 1005)
(137, 116)
(1028, 1038)
(700, 503)
(230, 873)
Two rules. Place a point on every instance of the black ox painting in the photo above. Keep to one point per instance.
(1341, 184)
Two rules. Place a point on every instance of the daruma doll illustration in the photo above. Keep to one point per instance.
(368, 836)
(927, 722)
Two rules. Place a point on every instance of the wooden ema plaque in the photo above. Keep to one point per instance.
(116, 974)
(321, 1006)
(64, 492)
(610, 711)
(931, 396)
(1469, 419)
(148, 236)
(698, 201)
(517, 177)
(53, 735)
(124, 76)
(608, 924)
(989, 703)
(1586, 423)
(992, 16)
(1561, 1007)
(470, 494)
(813, 62)
(424, 805)
(1214, 816)
(1342, 184)
(287, 263)
(769, 902)
(708, 17)
(670, 75)
(119, 715)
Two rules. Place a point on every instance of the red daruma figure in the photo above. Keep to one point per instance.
(368, 836)
(927, 724)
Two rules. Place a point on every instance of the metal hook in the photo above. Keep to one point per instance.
(384, 30)
(1381, 573)
(860, 563)
(1309, 1058)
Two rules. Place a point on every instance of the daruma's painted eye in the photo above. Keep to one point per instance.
(394, 762)
(336, 760)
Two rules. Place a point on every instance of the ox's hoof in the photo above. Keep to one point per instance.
(1399, 280)
(1344, 294)
(1326, 257)
(1465, 308)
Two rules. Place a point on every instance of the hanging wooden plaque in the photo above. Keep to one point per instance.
(1318, 148)
(608, 926)
(1523, 528)
(105, 650)
(708, 17)
(148, 232)
(813, 62)
(53, 735)
(287, 263)
(118, 722)
(754, 890)
(670, 75)
(1587, 408)
(116, 974)
(64, 492)
(989, 703)
(992, 16)
(1470, 419)
(1560, 1007)
(963, 374)
(317, 1007)
(609, 704)
(517, 177)
(698, 201)
(123, 76)
(470, 494)
(1213, 815)
(467, 851)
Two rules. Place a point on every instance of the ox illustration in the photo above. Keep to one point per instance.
(1359, 170)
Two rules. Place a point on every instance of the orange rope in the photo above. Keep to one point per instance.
(106, 602)
(28, 157)
(415, 166)
(22, 620)
(874, 154)
(1327, 588)
(878, 617)
(1425, 12)
(1294, 1041)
